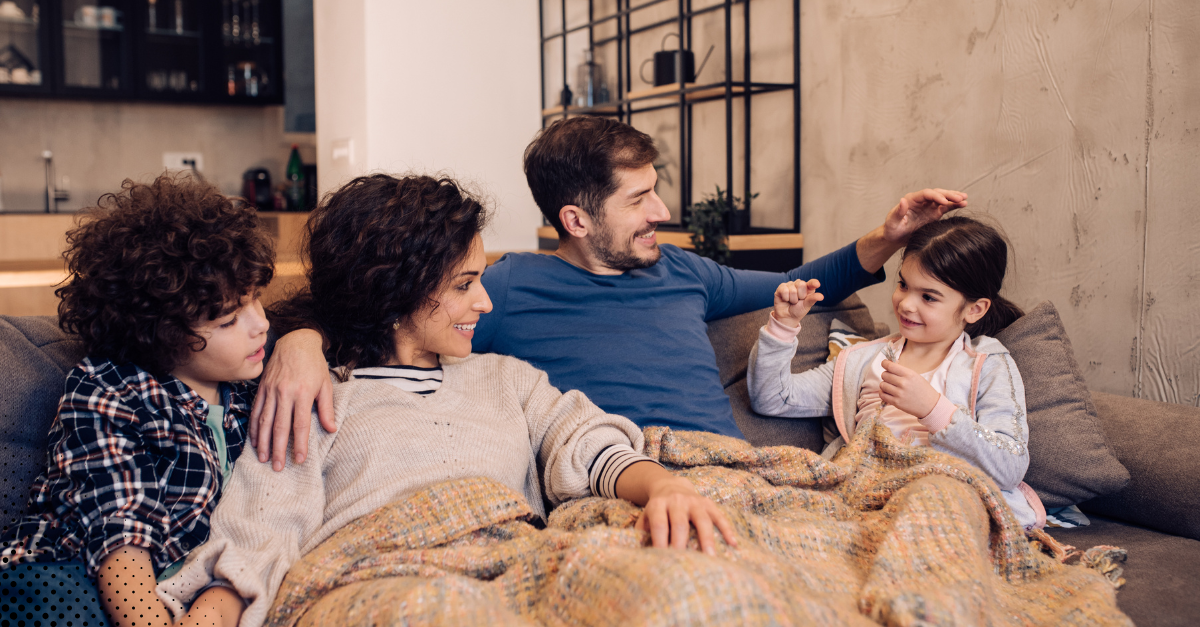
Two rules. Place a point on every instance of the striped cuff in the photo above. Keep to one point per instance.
(939, 418)
(609, 465)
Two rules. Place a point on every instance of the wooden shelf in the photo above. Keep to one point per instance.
(561, 110)
(672, 90)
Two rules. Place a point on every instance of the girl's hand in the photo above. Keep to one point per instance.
(906, 389)
(793, 300)
(674, 505)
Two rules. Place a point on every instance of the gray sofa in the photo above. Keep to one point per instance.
(1156, 517)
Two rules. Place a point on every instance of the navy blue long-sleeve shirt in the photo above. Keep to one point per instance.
(636, 343)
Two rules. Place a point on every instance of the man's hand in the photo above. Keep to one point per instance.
(906, 389)
(670, 507)
(911, 213)
(793, 299)
(917, 209)
(295, 376)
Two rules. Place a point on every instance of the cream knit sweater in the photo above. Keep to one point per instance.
(494, 416)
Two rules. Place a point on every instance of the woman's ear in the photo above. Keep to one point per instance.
(976, 310)
(575, 221)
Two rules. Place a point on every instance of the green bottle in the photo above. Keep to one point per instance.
(296, 193)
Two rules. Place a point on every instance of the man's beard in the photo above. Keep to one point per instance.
(606, 249)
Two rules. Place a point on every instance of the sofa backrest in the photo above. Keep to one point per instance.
(35, 356)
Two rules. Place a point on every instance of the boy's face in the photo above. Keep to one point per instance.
(234, 350)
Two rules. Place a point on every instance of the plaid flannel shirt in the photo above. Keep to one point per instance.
(131, 461)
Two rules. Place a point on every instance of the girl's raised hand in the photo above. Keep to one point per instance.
(906, 389)
(793, 299)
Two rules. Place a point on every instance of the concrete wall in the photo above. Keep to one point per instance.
(96, 145)
(448, 86)
(1075, 125)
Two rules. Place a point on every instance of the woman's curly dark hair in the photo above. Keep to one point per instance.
(151, 261)
(378, 250)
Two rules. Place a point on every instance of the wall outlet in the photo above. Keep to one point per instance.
(183, 161)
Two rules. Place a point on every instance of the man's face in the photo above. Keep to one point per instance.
(624, 236)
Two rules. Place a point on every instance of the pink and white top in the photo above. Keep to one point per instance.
(905, 426)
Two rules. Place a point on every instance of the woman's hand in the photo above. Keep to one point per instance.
(906, 389)
(793, 299)
(671, 506)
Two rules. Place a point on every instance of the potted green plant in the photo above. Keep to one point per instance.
(707, 222)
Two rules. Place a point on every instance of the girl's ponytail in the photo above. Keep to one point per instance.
(1001, 314)
(970, 257)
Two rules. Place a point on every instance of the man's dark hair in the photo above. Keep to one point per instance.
(971, 258)
(575, 161)
(151, 261)
(378, 250)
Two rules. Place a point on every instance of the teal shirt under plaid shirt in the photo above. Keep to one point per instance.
(130, 462)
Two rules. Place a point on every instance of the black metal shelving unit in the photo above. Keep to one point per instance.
(684, 96)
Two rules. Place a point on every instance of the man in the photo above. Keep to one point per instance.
(611, 313)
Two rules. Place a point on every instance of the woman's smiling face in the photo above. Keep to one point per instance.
(447, 327)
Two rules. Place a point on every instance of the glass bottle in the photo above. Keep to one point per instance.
(592, 90)
(296, 194)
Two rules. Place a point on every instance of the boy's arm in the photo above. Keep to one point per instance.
(218, 606)
(126, 583)
(102, 468)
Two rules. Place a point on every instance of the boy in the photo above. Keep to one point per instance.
(163, 292)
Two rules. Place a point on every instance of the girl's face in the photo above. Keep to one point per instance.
(928, 310)
(233, 349)
(447, 329)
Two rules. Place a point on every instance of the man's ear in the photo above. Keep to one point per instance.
(976, 310)
(575, 221)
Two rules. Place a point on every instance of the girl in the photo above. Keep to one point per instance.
(940, 382)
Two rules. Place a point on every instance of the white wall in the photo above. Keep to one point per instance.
(448, 86)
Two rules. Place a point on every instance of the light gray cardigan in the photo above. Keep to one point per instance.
(988, 429)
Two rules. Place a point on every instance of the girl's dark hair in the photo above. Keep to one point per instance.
(377, 251)
(151, 261)
(970, 257)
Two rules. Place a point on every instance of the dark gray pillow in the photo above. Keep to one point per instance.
(35, 357)
(1069, 461)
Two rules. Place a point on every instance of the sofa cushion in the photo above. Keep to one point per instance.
(1161, 577)
(35, 357)
(1069, 461)
(1158, 442)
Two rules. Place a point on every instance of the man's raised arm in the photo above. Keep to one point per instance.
(912, 212)
(295, 376)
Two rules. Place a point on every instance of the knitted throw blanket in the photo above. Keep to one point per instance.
(885, 534)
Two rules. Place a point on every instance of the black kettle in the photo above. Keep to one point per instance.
(256, 188)
(670, 65)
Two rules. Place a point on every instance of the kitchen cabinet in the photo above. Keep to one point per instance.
(195, 51)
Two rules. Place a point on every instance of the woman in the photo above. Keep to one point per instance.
(394, 288)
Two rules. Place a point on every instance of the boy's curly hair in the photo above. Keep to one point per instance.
(150, 262)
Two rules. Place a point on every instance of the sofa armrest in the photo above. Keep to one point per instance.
(1159, 444)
